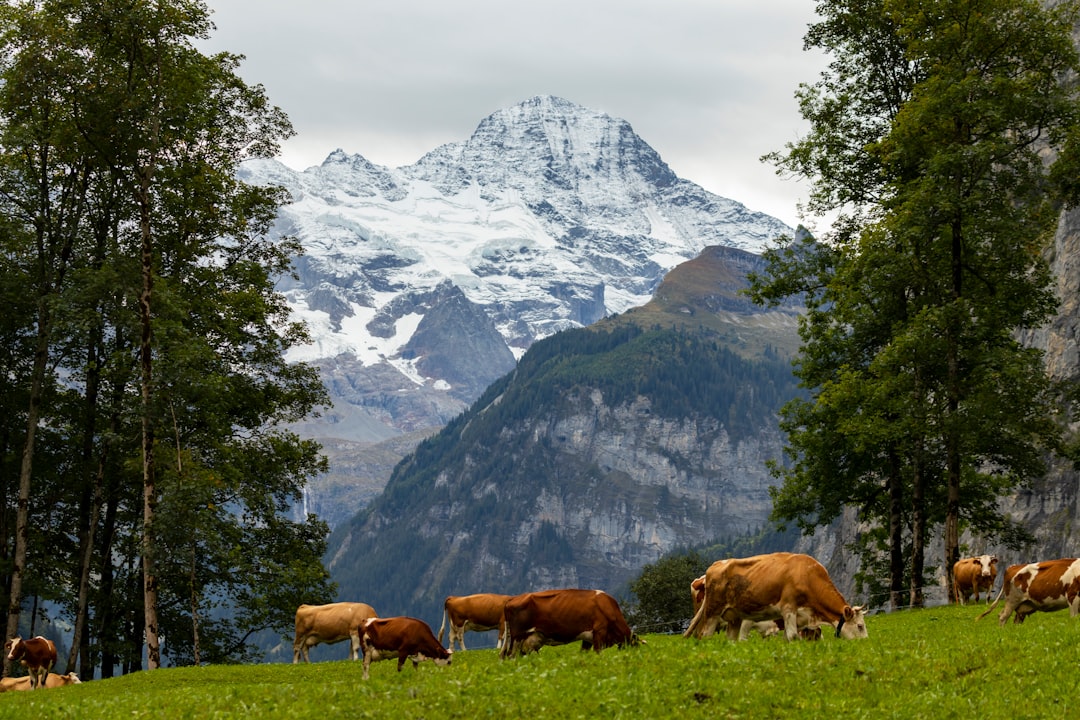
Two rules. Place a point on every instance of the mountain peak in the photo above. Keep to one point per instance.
(549, 216)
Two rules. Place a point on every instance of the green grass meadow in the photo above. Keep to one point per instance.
(933, 663)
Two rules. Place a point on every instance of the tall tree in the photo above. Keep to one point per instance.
(170, 328)
(928, 133)
(41, 183)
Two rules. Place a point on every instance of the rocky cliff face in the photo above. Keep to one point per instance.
(605, 449)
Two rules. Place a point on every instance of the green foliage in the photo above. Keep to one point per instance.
(936, 662)
(662, 590)
(928, 139)
(119, 144)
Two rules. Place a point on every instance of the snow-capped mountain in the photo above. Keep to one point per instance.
(422, 284)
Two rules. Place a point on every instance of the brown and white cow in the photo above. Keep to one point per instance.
(970, 575)
(400, 637)
(52, 680)
(780, 586)
(1039, 587)
(557, 617)
(36, 654)
(329, 624)
(480, 612)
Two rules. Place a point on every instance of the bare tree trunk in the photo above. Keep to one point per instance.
(952, 435)
(22, 511)
(918, 529)
(896, 531)
(150, 581)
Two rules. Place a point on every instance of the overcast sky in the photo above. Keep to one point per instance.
(709, 84)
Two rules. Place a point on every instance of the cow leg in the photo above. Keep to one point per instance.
(460, 635)
(791, 624)
(367, 661)
(402, 654)
(354, 643)
(296, 649)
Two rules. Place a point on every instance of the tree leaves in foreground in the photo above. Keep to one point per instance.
(145, 384)
(928, 140)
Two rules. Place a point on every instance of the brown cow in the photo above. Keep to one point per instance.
(1039, 587)
(481, 612)
(973, 574)
(557, 617)
(780, 586)
(401, 637)
(765, 628)
(329, 624)
(36, 654)
(52, 680)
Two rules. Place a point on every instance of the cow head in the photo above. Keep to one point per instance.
(13, 648)
(853, 624)
(440, 660)
(987, 565)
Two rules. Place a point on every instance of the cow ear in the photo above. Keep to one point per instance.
(848, 613)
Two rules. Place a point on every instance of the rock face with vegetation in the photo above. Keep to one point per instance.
(604, 449)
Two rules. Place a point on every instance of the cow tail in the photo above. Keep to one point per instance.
(442, 627)
(993, 605)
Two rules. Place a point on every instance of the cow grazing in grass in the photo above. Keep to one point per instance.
(557, 617)
(780, 586)
(400, 637)
(480, 612)
(329, 624)
(1039, 587)
(52, 680)
(973, 574)
(36, 654)
(765, 628)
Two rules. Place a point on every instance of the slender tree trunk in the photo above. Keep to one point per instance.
(952, 435)
(90, 505)
(917, 596)
(108, 619)
(896, 531)
(22, 511)
(150, 580)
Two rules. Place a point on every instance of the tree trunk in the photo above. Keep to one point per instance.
(22, 512)
(896, 531)
(917, 597)
(952, 435)
(90, 505)
(150, 581)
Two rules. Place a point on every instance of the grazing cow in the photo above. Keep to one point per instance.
(481, 612)
(973, 574)
(765, 628)
(401, 637)
(780, 586)
(329, 624)
(1039, 587)
(52, 680)
(557, 617)
(36, 654)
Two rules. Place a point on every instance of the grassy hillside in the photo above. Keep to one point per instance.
(934, 663)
